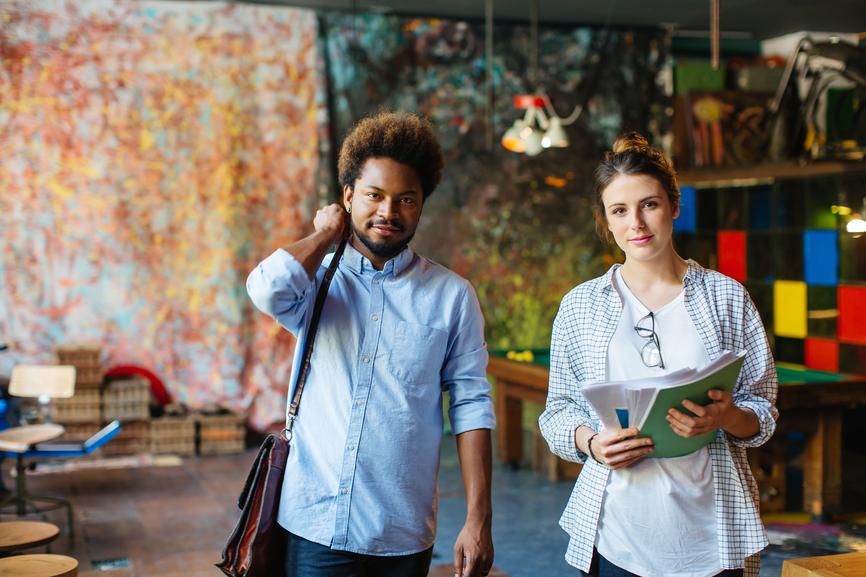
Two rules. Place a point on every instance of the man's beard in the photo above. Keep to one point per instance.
(382, 249)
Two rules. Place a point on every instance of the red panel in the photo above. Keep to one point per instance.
(732, 254)
(822, 354)
(852, 315)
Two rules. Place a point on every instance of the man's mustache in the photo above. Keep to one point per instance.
(393, 222)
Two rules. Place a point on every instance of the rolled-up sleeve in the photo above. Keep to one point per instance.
(464, 374)
(758, 385)
(566, 408)
(279, 287)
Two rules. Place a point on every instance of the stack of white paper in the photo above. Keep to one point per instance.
(624, 404)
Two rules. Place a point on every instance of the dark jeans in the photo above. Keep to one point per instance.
(601, 567)
(307, 559)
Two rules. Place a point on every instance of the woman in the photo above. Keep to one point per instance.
(695, 515)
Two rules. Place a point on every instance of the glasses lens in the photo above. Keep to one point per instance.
(650, 355)
(643, 332)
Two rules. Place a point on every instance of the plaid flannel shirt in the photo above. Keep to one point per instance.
(726, 318)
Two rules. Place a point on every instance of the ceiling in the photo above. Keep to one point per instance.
(760, 18)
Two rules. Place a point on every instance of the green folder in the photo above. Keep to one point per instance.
(666, 442)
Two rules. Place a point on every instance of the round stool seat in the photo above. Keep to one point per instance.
(39, 566)
(18, 535)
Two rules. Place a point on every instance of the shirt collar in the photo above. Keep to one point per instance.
(694, 274)
(361, 264)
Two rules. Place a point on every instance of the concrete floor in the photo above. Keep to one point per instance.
(172, 521)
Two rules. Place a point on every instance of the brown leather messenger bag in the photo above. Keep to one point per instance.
(257, 545)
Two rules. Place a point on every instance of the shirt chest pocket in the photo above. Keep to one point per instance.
(417, 354)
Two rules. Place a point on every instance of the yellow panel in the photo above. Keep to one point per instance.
(789, 309)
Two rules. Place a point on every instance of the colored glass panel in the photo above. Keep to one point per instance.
(762, 297)
(732, 208)
(792, 203)
(852, 359)
(822, 354)
(790, 256)
(732, 254)
(760, 263)
(852, 257)
(822, 195)
(852, 314)
(789, 350)
(688, 218)
(823, 311)
(760, 209)
(789, 310)
(821, 257)
(707, 203)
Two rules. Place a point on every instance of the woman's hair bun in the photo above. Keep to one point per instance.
(629, 141)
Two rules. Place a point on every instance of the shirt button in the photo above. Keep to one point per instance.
(359, 403)
(376, 281)
(344, 491)
(375, 318)
(351, 447)
(367, 360)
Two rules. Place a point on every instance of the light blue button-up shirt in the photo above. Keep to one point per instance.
(364, 458)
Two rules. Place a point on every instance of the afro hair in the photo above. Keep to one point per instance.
(400, 136)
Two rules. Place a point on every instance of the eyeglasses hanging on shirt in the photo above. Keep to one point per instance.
(651, 353)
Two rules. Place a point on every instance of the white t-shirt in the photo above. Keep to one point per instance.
(658, 517)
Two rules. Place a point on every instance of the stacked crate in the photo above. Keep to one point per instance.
(126, 400)
(175, 435)
(220, 434)
(85, 405)
(82, 407)
(131, 439)
(87, 361)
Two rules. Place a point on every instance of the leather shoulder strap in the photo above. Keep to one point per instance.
(311, 334)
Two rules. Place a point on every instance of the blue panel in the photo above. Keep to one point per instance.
(688, 219)
(821, 257)
(760, 213)
(622, 415)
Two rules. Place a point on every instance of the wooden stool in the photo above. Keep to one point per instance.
(20, 535)
(39, 566)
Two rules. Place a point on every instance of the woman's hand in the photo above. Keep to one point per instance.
(722, 413)
(618, 448)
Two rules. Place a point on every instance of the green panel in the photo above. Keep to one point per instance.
(794, 376)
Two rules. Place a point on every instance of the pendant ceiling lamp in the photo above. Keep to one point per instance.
(537, 130)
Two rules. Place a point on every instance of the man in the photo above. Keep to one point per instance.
(360, 495)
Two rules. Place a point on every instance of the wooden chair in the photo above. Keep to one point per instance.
(38, 566)
(21, 535)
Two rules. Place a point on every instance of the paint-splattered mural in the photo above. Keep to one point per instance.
(520, 228)
(151, 153)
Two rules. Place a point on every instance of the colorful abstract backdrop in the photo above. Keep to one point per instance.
(151, 153)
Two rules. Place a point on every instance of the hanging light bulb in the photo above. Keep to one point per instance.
(555, 136)
(532, 139)
(512, 139)
(856, 226)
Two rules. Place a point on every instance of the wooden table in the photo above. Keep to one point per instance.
(845, 565)
(809, 401)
